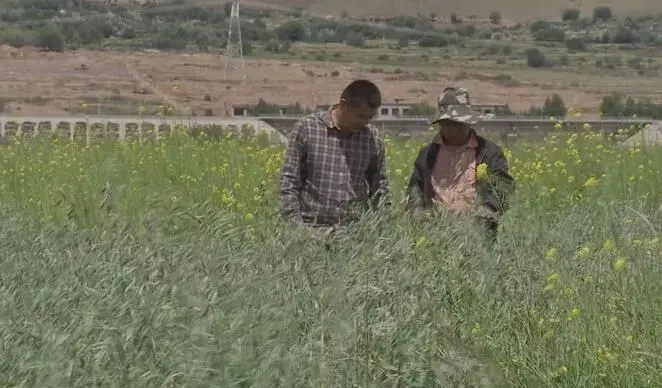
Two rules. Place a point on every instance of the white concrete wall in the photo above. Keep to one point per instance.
(122, 122)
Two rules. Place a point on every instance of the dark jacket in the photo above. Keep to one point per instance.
(493, 193)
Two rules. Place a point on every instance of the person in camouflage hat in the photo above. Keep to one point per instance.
(461, 170)
(455, 104)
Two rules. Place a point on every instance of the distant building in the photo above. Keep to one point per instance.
(246, 110)
(387, 110)
(393, 110)
(241, 110)
(493, 109)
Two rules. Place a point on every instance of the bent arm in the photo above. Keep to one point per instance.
(292, 174)
(503, 182)
(414, 192)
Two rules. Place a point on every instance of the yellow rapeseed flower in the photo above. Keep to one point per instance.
(421, 241)
(619, 264)
(592, 182)
(574, 313)
(551, 253)
(609, 246)
(482, 171)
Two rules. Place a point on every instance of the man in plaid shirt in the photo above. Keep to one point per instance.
(334, 165)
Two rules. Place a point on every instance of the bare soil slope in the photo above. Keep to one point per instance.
(519, 10)
(41, 83)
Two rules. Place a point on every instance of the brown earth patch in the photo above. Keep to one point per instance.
(42, 83)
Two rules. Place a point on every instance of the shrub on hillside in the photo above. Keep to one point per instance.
(624, 35)
(15, 37)
(433, 41)
(50, 37)
(570, 14)
(354, 40)
(495, 17)
(539, 25)
(575, 44)
(535, 58)
(551, 34)
(602, 13)
(554, 106)
(292, 31)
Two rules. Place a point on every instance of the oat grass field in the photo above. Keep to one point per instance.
(162, 264)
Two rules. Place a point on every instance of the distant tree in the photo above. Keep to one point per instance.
(293, 31)
(246, 48)
(612, 105)
(271, 46)
(631, 107)
(423, 109)
(495, 17)
(624, 35)
(564, 59)
(51, 38)
(355, 40)
(455, 19)
(535, 58)
(570, 14)
(14, 37)
(467, 31)
(539, 25)
(602, 13)
(631, 24)
(575, 44)
(433, 41)
(554, 106)
(551, 34)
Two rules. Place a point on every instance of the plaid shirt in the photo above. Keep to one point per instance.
(329, 176)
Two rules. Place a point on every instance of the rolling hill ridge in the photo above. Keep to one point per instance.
(518, 10)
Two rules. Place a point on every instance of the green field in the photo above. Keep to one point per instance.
(161, 264)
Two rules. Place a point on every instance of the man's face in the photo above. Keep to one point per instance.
(357, 117)
(453, 129)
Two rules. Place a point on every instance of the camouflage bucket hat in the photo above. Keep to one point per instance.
(455, 104)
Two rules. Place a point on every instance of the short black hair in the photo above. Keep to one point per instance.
(362, 92)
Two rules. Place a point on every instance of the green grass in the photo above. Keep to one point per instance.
(162, 264)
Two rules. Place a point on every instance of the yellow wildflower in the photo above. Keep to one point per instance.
(591, 182)
(421, 241)
(551, 253)
(619, 264)
(609, 246)
(482, 171)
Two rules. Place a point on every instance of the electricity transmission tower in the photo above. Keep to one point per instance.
(234, 53)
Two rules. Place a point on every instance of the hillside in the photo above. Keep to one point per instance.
(519, 10)
(126, 58)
